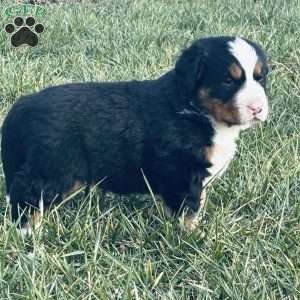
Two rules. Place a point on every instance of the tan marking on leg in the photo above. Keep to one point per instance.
(191, 221)
(77, 185)
(209, 152)
(34, 224)
(202, 199)
(36, 219)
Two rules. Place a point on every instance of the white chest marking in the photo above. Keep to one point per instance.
(222, 151)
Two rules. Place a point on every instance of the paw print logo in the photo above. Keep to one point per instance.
(24, 32)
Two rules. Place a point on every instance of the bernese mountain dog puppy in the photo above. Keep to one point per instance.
(179, 131)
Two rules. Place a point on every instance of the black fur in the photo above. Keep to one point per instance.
(89, 131)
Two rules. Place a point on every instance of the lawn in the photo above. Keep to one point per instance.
(247, 245)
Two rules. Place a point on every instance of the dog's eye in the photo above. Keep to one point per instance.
(258, 77)
(229, 80)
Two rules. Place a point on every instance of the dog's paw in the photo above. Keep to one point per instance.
(34, 224)
(25, 230)
(189, 221)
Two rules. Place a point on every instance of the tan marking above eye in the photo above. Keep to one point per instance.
(235, 71)
(258, 68)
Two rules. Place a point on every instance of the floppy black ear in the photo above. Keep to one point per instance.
(189, 67)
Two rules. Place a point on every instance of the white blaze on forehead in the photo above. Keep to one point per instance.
(251, 92)
(245, 54)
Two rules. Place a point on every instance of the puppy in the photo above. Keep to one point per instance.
(180, 130)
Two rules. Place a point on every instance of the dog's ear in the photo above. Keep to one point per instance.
(189, 67)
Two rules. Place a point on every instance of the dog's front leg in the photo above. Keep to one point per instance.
(195, 202)
(187, 204)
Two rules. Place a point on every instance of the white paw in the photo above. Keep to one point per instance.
(25, 231)
(192, 222)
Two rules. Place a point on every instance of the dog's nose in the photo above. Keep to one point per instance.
(255, 108)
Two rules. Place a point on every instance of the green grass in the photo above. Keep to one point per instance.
(247, 244)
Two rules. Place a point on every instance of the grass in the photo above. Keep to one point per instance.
(247, 244)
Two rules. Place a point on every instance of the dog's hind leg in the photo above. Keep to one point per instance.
(23, 195)
(29, 196)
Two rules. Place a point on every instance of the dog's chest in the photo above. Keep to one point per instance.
(221, 152)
